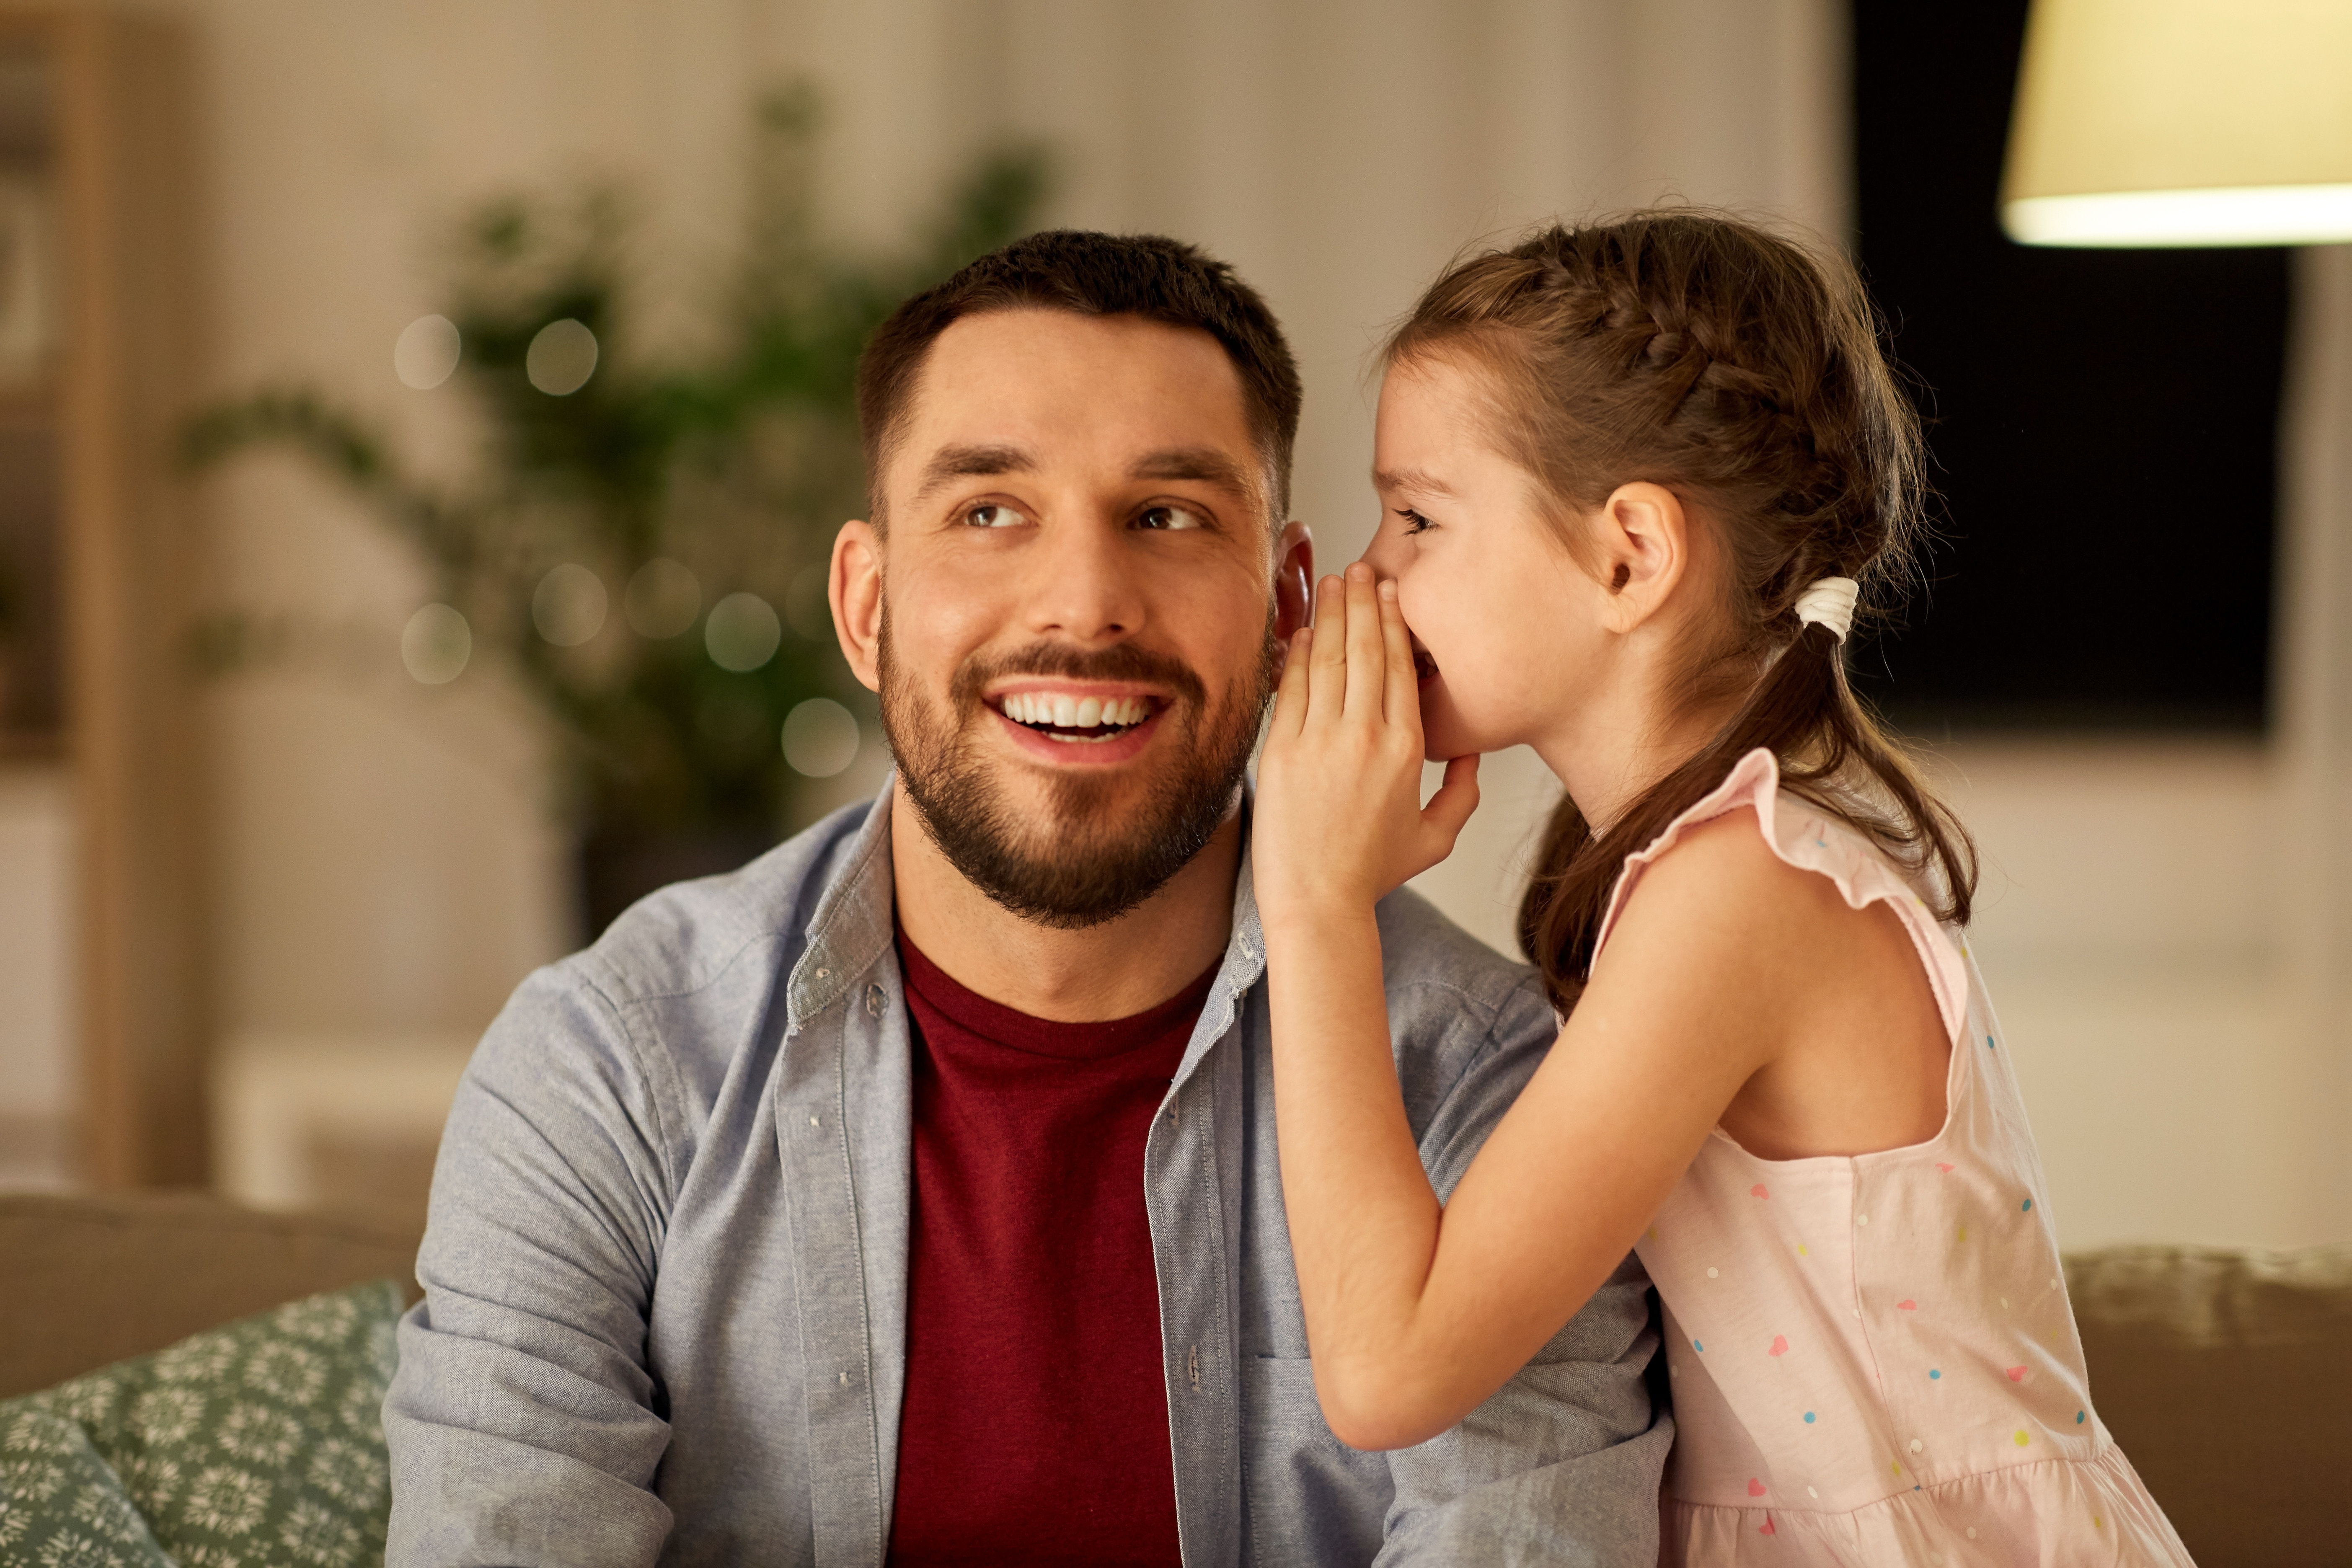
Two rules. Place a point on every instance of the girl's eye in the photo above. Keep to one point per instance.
(1413, 521)
(1168, 519)
(993, 514)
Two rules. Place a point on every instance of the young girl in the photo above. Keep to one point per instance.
(1635, 477)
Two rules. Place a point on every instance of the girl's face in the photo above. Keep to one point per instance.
(1507, 625)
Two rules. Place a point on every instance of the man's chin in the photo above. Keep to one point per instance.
(1065, 800)
(1070, 848)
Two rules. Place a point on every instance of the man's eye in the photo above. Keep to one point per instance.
(1170, 517)
(994, 514)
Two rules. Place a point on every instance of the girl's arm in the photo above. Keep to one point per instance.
(1416, 1310)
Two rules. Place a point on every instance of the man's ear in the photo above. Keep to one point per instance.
(1294, 580)
(1644, 546)
(854, 588)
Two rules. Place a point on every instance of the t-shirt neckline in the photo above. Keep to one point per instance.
(1090, 1039)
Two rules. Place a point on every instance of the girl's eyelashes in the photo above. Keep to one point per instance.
(1413, 521)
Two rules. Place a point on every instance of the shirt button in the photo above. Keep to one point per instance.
(1916, 1444)
(874, 1001)
(823, 974)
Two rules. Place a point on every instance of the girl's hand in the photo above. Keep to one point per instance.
(1339, 821)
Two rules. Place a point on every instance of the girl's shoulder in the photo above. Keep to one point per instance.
(1754, 855)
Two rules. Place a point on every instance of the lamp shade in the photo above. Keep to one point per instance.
(2172, 122)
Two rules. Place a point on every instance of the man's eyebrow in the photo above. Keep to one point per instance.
(1415, 481)
(961, 462)
(1205, 465)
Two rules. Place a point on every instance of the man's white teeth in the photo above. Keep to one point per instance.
(1066, 712)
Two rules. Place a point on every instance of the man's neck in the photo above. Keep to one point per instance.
(1114, 970)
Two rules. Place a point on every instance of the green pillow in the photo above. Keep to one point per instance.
(60, 1503)
(255, 1444)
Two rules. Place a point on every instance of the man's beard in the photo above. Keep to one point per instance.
(1083, 859)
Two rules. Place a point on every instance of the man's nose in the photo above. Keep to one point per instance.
(1089, 589)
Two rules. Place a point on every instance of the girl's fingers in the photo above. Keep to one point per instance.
(1290, 691)
(1327, 660)
(1365, 674)
(1400, 697)
(1451, 806)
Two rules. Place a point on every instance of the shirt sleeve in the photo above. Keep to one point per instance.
(1563, 1463)
(522, 1423)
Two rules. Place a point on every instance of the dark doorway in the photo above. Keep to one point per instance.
(2103, 423)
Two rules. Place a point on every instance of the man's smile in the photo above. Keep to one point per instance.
(1066, 721)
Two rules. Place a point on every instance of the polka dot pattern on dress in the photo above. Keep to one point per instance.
(1939, 1273)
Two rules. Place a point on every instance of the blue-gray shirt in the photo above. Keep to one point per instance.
(666, 1276)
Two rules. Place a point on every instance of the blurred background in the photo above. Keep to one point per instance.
(418, 422)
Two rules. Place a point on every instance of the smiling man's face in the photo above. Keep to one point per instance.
(1069, 610)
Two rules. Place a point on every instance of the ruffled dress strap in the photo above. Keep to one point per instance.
(1810, 840)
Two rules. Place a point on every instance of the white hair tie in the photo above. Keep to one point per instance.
(1830, 603)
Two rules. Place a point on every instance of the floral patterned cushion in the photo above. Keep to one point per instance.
(259, 1443)
(60, 1504)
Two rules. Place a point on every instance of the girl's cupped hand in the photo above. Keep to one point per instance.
(1339, 820)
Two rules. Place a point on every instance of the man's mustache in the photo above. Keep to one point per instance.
(1121, 661)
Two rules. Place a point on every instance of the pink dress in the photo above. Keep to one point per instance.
(1872, 1357)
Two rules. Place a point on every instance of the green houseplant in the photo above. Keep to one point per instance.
(642, 545)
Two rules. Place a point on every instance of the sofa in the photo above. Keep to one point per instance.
(2227, 1376)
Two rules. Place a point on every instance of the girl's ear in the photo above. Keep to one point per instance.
(1645, 547)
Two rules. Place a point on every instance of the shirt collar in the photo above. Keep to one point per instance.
(851, 928)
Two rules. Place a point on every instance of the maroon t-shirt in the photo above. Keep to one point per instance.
(1035, 1425)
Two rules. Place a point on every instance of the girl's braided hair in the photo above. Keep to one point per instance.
(1743, 373)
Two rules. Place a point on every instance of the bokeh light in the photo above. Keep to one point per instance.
(821, 738)
(427, 353)
(662, 599)
(561, 358)
(806, 608)
(436, 645)
(568, 607)
(742, 632)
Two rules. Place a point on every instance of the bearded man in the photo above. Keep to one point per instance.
(910, 1194)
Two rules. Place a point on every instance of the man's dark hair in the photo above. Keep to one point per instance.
(1090, 274)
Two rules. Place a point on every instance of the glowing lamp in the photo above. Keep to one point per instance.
(2178, 123)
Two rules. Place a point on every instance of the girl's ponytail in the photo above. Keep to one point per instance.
(1704, 354)
(1804, 711)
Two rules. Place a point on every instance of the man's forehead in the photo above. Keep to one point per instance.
(1033, 390)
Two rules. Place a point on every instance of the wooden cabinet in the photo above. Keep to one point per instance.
(98, 362)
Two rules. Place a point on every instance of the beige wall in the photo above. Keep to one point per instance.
(387, 870)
